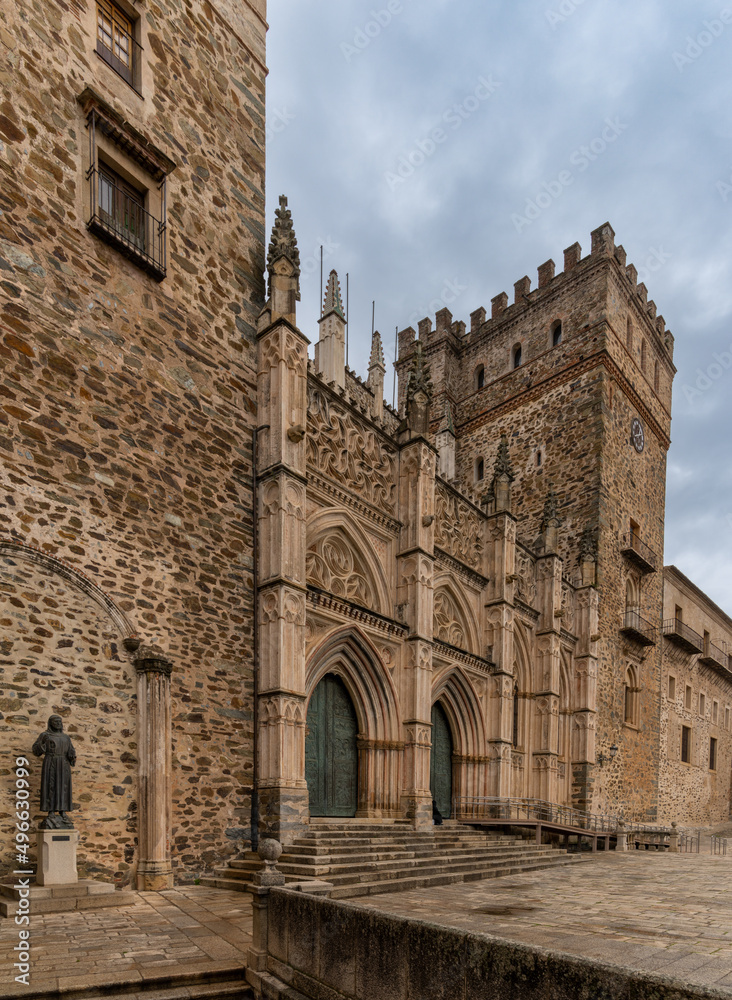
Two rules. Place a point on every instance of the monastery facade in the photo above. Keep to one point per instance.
(256, 593)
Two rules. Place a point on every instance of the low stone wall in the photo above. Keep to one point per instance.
(327, 950)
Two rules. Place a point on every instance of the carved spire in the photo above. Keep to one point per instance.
(332, 301)
(283, 245)
(588, 544)
(377, 370)
(419, 394)
(550, 516)
(377, 352)
(503, 465)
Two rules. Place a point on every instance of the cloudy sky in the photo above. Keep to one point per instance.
(356, 91)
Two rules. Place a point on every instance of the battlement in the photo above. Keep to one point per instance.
(603, 247)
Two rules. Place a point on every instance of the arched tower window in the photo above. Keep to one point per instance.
(557, 334)
(479, 377)
(631, 697)
(479, 469)
(629, 334)
(632, 595)
(517, 356)
(643, 355)
(656, 377)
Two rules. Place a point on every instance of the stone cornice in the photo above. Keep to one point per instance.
(445, 561)
(447, 652)
(319, 599)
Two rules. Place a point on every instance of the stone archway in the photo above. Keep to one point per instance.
(331, 750)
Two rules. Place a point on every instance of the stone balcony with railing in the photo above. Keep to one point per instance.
(637, 628)
(682, 636)
(713, 656)
(636, 550)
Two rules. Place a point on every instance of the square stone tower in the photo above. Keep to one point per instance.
(131, 265)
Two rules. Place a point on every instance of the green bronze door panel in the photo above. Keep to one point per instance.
(331, 755)
(441, 761)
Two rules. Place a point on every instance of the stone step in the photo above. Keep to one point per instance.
(386, 874)
(86, 894)
(202, 986)
(325, 867)
(336, 855)
(423, 881)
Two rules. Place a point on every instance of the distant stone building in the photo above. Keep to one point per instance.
(457, 600)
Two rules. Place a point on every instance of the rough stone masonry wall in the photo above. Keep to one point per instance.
(126, 407)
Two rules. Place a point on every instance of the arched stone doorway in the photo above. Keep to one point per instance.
(331, 754)
(441, 761)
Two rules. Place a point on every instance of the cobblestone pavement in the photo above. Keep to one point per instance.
(188, 929)
(668, 914)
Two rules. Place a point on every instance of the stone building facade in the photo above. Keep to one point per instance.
(221, 559)
(131, 262)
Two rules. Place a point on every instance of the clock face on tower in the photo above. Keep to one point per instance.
(637, 436)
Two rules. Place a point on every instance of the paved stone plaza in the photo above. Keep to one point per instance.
(667, 914)
(189, 930)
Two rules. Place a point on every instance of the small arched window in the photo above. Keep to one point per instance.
(631, 697)
(539, 458)
(629, 335)
(517, 356)
(479, 469)
(557, 334)
(656, 377)
(643, 355)
(479, 377)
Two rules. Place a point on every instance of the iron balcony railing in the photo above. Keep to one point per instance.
(713, 656)
(121, 221)
(483, 807)
(640, 553)
(683, 636)
(719, 846)
(636, 627)
(117, 47)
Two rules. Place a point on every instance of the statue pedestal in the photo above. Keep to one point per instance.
(57, 857)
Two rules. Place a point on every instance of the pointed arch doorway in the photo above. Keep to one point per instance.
(441, 761)
(331, 753)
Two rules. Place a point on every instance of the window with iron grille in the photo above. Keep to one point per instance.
(685, 744)
(116, 43)
(122, 208)
(712, 754)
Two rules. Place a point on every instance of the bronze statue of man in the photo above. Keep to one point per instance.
(59, 757)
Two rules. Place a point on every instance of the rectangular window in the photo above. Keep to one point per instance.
(715, 711)
(678, 614)
(687, 697)
(685, 744)
(116, 42)
(726, 718)
(712, 754)
(702, 704)
(672, 688)
(122, 208)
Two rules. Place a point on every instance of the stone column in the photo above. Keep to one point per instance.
(585, 698)
(154, 868)
(545, 762)
(415, 574)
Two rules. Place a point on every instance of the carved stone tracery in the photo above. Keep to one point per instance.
(351, 453)
(332, 564)
(448, 626)
(458, 528)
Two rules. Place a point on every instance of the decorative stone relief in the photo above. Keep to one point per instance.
(526, 577)
(447, 621)
(567, 607)
(349, 453)
(333, 566)
(458, 528)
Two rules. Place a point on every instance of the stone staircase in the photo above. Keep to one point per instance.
(361, 858)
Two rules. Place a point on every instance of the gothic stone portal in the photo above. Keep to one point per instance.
(331, 755)
(441, 762)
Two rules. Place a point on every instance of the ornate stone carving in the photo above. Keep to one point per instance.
(448, 626)
(567, 607)
(458, 527)
(283, 243)
(526, 577)
(333, 566)
(349, 453)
